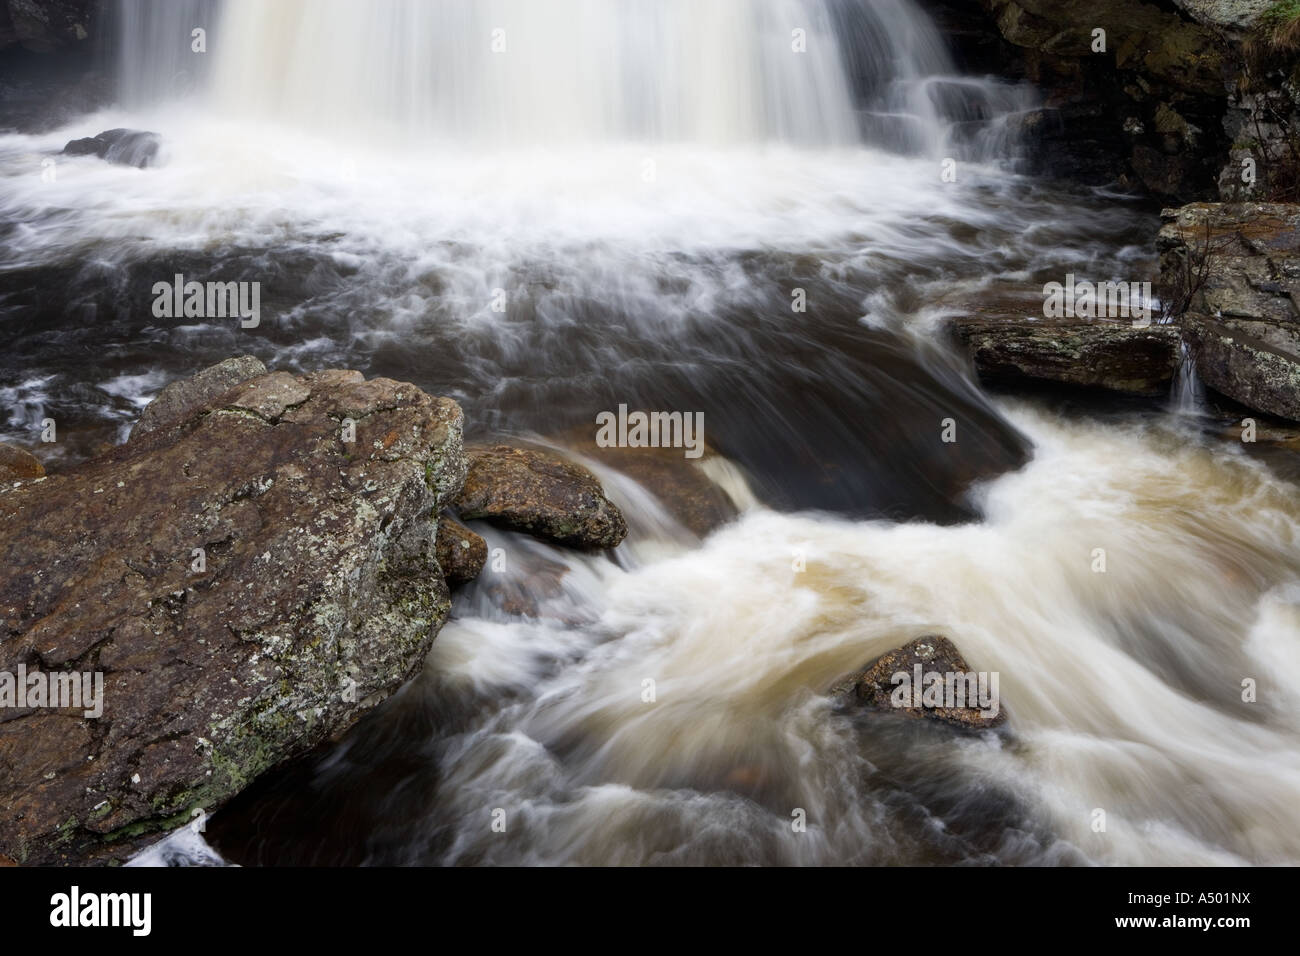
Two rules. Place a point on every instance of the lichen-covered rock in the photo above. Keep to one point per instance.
(1256, 364)
(125, 147)
(461, 553)
(527, 489)
(180, 397)
(17, 465)
(896, 681)
(1107, 355)
(246, 581)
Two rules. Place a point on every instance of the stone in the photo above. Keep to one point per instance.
(1117, 357)
(541, 493)
(125, 147)
(876, 686)
(246, 583)
(180, 397)
(461, 553)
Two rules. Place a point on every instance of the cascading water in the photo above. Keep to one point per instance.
(649, 188)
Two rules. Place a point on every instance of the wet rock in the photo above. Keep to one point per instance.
(246, 582)
(16, 464)
(881, 685)
(1236, 269)
(1256, 364)
(680, 484)
(539, 492)
(126, 147)
(1146, 112)
(461, 553)
(179, 398)
(1112, 356)
(1234, 260)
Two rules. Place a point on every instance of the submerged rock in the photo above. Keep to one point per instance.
(679, 483)
(126, 147)
(16, 464)
(461, 553)
(184, 395)
(539, 492)
(245, 583)
(880, 685)
(1112, 356)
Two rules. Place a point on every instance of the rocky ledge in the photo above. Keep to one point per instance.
(1105, 355)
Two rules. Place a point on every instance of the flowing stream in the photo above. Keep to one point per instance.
(546, 210)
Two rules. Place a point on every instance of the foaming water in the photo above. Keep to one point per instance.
(1123, 687)
(671, 708)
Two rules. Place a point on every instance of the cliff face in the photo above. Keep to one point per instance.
(1171, 96)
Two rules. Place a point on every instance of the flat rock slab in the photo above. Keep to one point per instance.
(877, 686)
(247, 583)
(542, 493)
(1106, 355)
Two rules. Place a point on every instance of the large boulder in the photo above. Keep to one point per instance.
(246, 583)
(125, 147)
(542, 493)
(18, 465)
(1106, 355)
(897, 681)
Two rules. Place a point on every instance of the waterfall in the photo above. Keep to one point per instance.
(521, 73)
(1187, 394)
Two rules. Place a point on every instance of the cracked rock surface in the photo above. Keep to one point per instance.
(247, 582)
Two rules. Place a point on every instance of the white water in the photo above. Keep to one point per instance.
(629, 161)
(1123, 687)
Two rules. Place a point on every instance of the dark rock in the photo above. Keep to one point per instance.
(318, 596)
(541, 493)
(16, 464)
(1234, 260)
(1107, 355)
(1256, 364)
(181, 397)
(45, 26)
(461, 553)
(126, 147)
(875, 687)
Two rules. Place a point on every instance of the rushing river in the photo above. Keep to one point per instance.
(548, 210)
